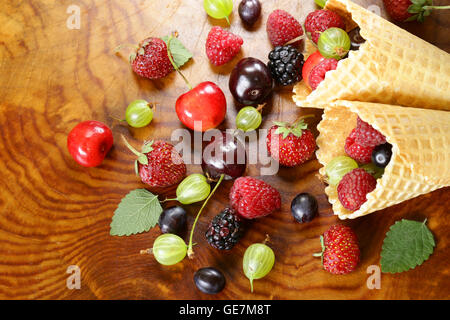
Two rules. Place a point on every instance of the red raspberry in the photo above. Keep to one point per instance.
(152, 60)
(253, 198)
(317, 74)
(355, 150)
(367, 136)
(222, 46)
(354, 187)
(290, 146)
(282, 27)
(320, 20)
(340, 251)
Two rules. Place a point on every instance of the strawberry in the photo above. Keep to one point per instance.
(340, 250)
(355, 150)
(222, 46)
(158, 164)
(354, 187)
(320, 20)
(253, 198)
(410, 10)
(318, 72)
(151, 59)
(283, 27)
(291, 145)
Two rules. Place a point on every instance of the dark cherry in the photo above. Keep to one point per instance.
(173, 220)
(381, 155)
(209, 280)
(249, 11)
(304, 207)
(355, 39)
(250, 82)
(224, 155)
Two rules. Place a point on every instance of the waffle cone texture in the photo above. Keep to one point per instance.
(420, 161)
(392, 66)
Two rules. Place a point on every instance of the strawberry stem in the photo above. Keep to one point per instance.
(190, 251)
(174, 64)
(436, 7)
(302, 117)
(320, 254)
(129, 146)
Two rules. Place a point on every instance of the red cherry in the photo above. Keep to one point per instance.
(89, 142)
(310, 63)
(206, 103)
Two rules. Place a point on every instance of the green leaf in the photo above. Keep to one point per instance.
(418, 2)
(138, 211)
(136, 167)
(407, 245)
(147, 147)
(320, 3)
(280, 123)
(142, 158)
(412, 18)
(180, 54)
(414, 8)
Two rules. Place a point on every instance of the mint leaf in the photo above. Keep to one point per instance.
(407, 245)
(138, 211)
(180, 54)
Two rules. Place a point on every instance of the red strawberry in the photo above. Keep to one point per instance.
(253, 198)
(317, 74)
(320, 20)
(353, 188)
(355, 150)
(282, 27)
(367, 136)
(222, 46)
(291, 145)
(340, 251)
(158, 164)
(151, 59)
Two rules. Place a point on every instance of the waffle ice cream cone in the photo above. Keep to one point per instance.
(420, 161)
(392, 66)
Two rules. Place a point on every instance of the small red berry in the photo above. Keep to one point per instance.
(354, 187)
(317, 74)
(320, 20)
(367, 136)
(253, 198)
(151, 59)
(356, 151)
(283, 27)
(222, 46)
(340, 251)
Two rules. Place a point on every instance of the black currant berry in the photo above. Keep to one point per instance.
(249, 11)
(209, 280)
(304, 207)
(173, 220)
(381, 155)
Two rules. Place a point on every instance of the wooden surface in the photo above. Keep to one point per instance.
(55, 213)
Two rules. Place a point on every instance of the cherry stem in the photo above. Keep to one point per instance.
(126, 45)
(173, 63)
(190, 251)
(137, 153)
(302, 117)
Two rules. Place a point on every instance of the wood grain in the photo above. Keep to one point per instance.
(55, 213)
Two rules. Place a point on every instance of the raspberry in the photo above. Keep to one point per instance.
(282, 27)
(354, 187)
(317, 74)
(225, 230)
(320, 20)
(253, 198)
(341, 252)
(222, 46)
(355, 150)
(367, 136)
(285, 64)
(151, 60)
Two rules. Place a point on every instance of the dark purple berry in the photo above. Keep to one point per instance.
(249, 11)
(209, 280)
(250, 82)
(225, 230)
(355, 39)
(304, 207)
(381, 155)
(173, 220)
(225, 155)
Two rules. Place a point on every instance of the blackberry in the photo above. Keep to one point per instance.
(285, 64)
(225, 230)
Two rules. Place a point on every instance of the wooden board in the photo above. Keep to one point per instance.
(55, 213)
